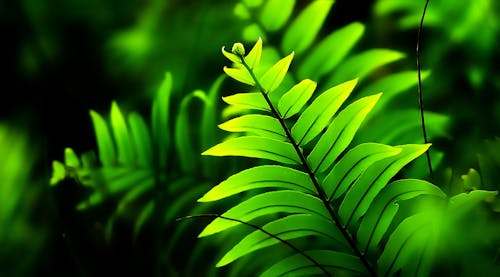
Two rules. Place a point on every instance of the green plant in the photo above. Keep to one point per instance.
(332, 56)
(149, 173)
(20, 236)
(343, 198)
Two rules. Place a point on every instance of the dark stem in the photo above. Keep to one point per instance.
(263, 231)
(420, 94)
(305, 165)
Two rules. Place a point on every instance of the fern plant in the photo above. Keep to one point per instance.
(150, 173)
(286, 29)
(314, 187)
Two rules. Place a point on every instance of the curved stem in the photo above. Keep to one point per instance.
(420, 94)
(321, 193)
(263, 231)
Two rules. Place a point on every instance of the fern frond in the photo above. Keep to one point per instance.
(134, 167)
(332, 67)
(323, 188)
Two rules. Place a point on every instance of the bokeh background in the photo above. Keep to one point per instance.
(63, 57)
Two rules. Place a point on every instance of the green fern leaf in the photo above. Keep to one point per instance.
(265, 204)
(160, 126)
(276, 13)
(275, 75)
(256, 147)
(105, 144)
(142, 140)
(403, 244)
(294, 99)
(322, 59)
(287, 228)
(340, 133)
(184, 145)
(317, 116)
(262, 125)
(70, 158)
(304, 29)
(240, 75)
(253, 57)
(350, 167)
(297, 265)
(122, 137)
(353, 196)
(372, 181)
(252, 100)
(377, 220)
(360, 65)
(266, 176)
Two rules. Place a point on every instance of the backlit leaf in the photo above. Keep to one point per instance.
(142, 140)
(318, 115)
(256, 147)
(275, 13)
(360, 65)
(105, 144)
(285, 201)
(304, 29)
(275, 75)
(126, 153)
(160, 126)
(374, 179)
(340, 133)
(294, 100)
(352, 164)
(326, 55)
(261, 177)
(261, 125)
(379, 217)
(287, 228)
(249, 100)
(240, 75)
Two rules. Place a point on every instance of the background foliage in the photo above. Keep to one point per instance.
(63, 58)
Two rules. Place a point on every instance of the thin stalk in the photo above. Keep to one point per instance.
(420, 94)
(305, 165)
(263, 231)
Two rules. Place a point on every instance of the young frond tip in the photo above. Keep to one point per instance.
(238, 49)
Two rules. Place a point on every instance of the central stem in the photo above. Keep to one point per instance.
(305, 165)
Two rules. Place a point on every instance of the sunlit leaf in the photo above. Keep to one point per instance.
(326, 55)
(287, 228)
(340, 133)
(352, 164)
(304, 29)
(285, 201)
(360, 65)
(374, 179)
(275, 13)
(275, 75)
(256, 147)
(294, 100)
(160, 120)
(250, 100)
(262, 125)
(104, 142)
(142, 139)
(253, 57)
(317, 115)
(261, 177)
(379, 217)
(240, 75)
